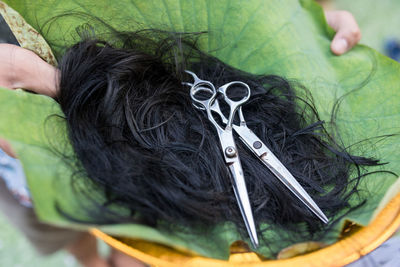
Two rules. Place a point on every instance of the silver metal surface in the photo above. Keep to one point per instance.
(249, 138)
(240, 189)
(210, 104)
(230, 152)
(227, 143)
(279, 170)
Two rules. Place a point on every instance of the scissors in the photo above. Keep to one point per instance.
(204, 95)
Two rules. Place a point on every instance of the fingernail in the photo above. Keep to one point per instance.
(340, 46)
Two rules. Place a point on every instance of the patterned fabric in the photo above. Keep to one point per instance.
(387, 255)
(13, 175)
(27, 36)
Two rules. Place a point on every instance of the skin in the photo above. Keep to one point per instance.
(21, 68)
(85, 251)
(348, 33)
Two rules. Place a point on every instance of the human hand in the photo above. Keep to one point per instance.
(7, 71)
(348, 33)
(6, 147)
(84, 249)
(119, 259)
(21, 68)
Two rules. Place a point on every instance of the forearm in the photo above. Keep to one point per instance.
(22, 68)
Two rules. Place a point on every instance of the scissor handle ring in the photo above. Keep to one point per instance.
(201, 107)
(234, 104)
(203, 86)
(225, 88)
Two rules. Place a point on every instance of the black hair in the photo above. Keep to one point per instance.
(143, 144)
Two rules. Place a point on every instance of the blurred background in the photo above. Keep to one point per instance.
(379, 22)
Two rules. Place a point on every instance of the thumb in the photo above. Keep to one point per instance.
(348, 33)
(340, 44)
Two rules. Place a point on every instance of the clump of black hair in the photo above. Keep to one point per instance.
(140, 140)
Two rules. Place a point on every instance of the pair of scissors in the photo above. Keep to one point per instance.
(204, 96)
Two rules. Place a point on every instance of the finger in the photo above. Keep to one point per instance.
(348, 33)
(118, 258)
(6, 147)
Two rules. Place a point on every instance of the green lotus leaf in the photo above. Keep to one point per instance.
(289, 38)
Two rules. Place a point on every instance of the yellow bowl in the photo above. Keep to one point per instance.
(345, 251)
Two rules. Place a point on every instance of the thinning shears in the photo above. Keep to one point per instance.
(204, 96)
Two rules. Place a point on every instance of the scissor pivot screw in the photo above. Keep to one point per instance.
(230, 152)
(257, 145)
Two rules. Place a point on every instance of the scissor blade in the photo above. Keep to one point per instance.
(255, 145)
(280, 171)
(242, 197)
